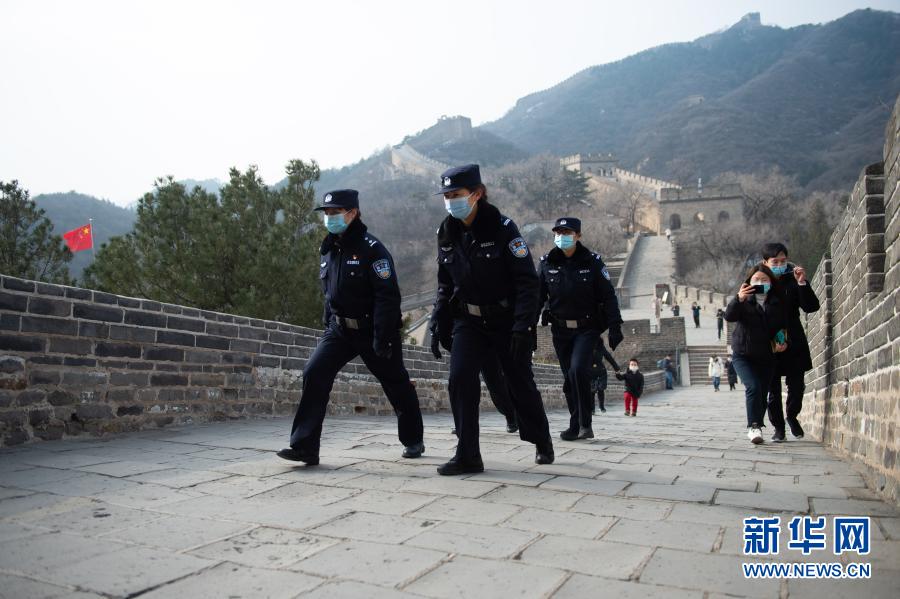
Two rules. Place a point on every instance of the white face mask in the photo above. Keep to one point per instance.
(633, 368)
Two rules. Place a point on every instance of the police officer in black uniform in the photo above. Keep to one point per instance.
(582, 304)
(486, 301)
(362, 318)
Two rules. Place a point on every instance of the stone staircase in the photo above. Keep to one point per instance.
(699, 356)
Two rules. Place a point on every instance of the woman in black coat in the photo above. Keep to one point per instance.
(759, 333)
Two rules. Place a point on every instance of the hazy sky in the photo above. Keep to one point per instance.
(103, 97)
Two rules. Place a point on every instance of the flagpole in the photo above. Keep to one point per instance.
(93, 251)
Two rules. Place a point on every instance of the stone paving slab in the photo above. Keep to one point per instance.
(652, 507)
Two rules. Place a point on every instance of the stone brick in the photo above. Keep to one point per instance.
(145, 319)
(77, 293)
(59, 326)
(10, 322)
(242, 345)
(185, 324)
(151, 305)
(171, 309)
(253, 333)
(31, 396)
(170, 354)
(12, 301)
(93, 411)
(272, 349)
(129, 302)
(11, 364)
(59, 397)
(173, 338)
(126, 333)
(70, 361)
(65, 345)
(202, 357)
(22, 343)
(212, 342)
(222, 330)
(84, 379)
(235, 358)
(18, 284)
(93, 329)
(49, 307)
(103, 313)
(105, 298)
(117, 350)
(123, 379)
(168, 380)
(132, 410)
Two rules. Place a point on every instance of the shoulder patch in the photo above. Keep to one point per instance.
(605, 274)
(507, 221)
(518, 247)
(382, 268)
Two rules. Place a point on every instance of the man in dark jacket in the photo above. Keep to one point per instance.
(796, 294)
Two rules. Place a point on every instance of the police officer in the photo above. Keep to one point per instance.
(486, 300)
(362, 318)
(582, 304)
(498, 388)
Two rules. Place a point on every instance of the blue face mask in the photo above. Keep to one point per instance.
(564, 242)
(335, 223)
(458, 208)
(779, 270)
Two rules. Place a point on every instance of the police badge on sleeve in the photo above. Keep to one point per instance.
(518, 247)
(605, 274)
(382, 269)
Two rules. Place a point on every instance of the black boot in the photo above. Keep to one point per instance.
(568, 435)
(298, 455)
(414, 451)
(511, 426)
(796, 429)
(456, 467)
(585, 432)
(544, 453)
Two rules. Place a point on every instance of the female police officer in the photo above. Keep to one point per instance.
(362, 318)
(486, 301)
(582, 304)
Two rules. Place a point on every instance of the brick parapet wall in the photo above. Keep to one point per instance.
(853, 394)
(75, 360)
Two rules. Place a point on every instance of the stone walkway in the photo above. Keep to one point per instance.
(650, 508)
(652, 263)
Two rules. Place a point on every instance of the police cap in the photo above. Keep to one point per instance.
(568, 222)
(340, 198)
(460, 177)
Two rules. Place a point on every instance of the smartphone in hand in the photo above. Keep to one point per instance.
(758, 289)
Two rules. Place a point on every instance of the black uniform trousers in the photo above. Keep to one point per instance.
(495, 381)
(575, 351)
(473, 343)
(337, 347)
(795, 388)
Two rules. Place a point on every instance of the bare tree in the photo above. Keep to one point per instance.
(767, 196)
(631, 200)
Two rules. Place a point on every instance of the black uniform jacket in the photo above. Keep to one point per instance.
(359, 280)
(487, 264)
(579, 288)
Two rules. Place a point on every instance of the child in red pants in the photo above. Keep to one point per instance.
(634, 386)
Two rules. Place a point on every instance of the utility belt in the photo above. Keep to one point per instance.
(354, 323)
(580, 323)
(502, 308)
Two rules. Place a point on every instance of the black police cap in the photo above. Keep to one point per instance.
(340, 198)
(460, 177)
(568, 222)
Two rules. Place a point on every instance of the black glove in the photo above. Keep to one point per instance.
(436, 347)
(545, 318)
(615, 336)
(520, 346)
(382, 348)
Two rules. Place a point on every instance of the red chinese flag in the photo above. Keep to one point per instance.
(79, 239)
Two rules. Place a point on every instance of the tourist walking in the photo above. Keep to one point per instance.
(732, 373)
(797, 294)
(720, 322)
(696, 310)
(634, 386)
(715, 369)
(758, 315)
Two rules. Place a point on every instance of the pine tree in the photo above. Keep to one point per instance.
(250, 251)
(28, 247)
